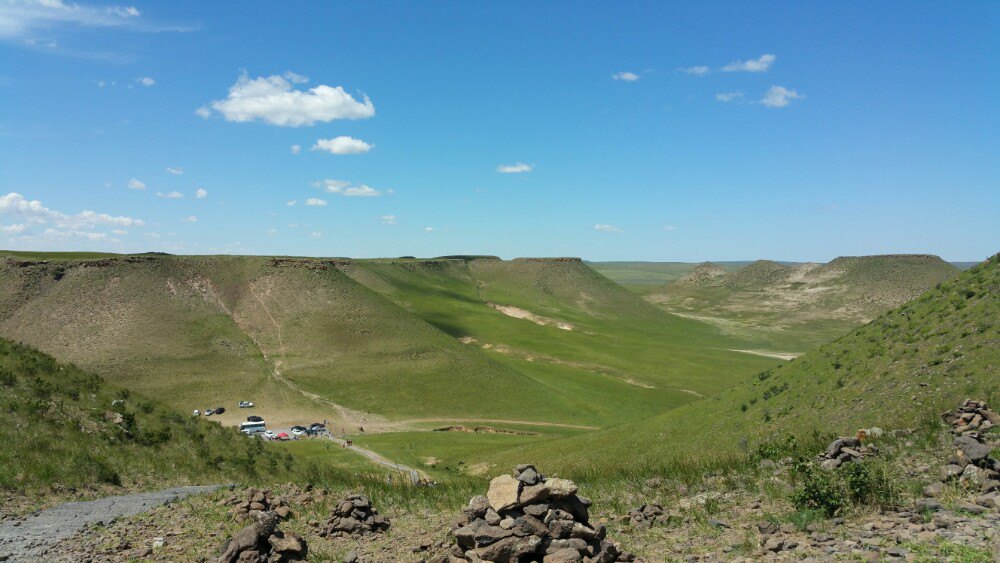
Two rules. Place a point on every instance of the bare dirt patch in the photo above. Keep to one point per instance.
(518, 313)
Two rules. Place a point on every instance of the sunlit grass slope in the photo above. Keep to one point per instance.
(901, 369)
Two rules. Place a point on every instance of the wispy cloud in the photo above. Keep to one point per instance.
(170, 195)
(515, 168)
(316, 202)
(135, 184)
(190, 219)
(275, 101)
(695, 70)
(728, 96)
(604, 228)
(296, 149)
(291, 202)
(626, 76)
(342, 145)
(389, 219)
(779, 97)
(201, 193)
(145, 81)
(760, 64)
(175, 170)
(22, 19)
(340, 187)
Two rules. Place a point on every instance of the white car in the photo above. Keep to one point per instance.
(209, 412)
(269, 435)
(246, 405)
(197, 412)
(298, 431)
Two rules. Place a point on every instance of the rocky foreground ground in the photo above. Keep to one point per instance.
(945, 505)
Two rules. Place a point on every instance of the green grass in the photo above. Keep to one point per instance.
(896, 372)
(642, 277)
(29, 255)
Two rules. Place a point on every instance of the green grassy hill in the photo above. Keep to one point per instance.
(641, 277)
(382, 344)
(795, 307)
(898, 371)
(62, 428)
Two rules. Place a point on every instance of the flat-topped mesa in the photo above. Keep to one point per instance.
(552, 259)
(470, 257)
(526, 516)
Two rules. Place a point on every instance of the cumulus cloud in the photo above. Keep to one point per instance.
(201, 193)
(389, 219)
(603, 228)
(175, 170)
(342, 145)
(626, 76)
(316, 202)
(515, 168)
(728, 96)
(695, 70)
(296, 149)
(170, 195)
(135, 184)
(779, 97)
(340, 187)
(86, 235)
(146, 81)
(30, 213)
(203, 112)
(760, 64)
(274, 100)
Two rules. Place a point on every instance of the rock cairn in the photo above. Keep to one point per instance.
(971, 465)
(845, 450)
(354, 515)
(257, 501)
(262, 542)
(971, 416)
(528, 517)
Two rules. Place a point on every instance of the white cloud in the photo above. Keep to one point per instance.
(32, 212)
(203, 112)
(429, 229)
(273, 100)
(190, 219)
(607, 228)
(296, 149)
(201, 193)
(342, 145)
(175, 170)
(170, 195)
(119, 232)
(779, 97)
(146, 81)
(271, 232)
(134, 184)
(295, 78)
(14, 229)
(315, 234)
(340, 187)
(728, 96)
(389, 219)
(695, 70)
(86, 235)
(291, 202)
(22, 19)
(751, 65)
(670, 228)
(316, 202)
(626, 76)
(515, 168)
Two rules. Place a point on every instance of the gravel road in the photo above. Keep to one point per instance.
(30, 539)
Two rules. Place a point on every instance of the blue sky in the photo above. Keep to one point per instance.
(611, 131)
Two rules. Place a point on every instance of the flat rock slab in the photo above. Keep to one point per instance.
(30, 538)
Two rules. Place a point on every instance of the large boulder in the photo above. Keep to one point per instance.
(503, 492)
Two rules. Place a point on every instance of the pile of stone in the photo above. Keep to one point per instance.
(528, 517)
(971, 416)
(971, 466)
(257, 501)
(262, 542)
(845, 450)
(354, 515)
(647, 515)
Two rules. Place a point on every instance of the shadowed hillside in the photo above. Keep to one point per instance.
(905, 367)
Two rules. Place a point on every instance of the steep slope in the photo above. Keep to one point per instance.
(903, 368)
(703, 274)
(61, 428)
(796, 307)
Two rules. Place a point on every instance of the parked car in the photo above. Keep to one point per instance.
(197, 412)
(317, 426)
(255, 418)
(209, 412)
(298, 430)
(220, 410)
(246, 405)
(269, 434)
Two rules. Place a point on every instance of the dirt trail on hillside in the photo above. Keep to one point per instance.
(779, 355)
(30, 539)
(502, 421)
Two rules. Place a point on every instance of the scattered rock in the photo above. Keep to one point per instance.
(354, 515)
(970, 416)
(256, 501)
(845, 450)
(262, 542)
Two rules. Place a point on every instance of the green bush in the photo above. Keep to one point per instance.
(851, 484)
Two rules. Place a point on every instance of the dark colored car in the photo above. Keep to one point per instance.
(220, 410)
(317, 426)
(255, 419)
